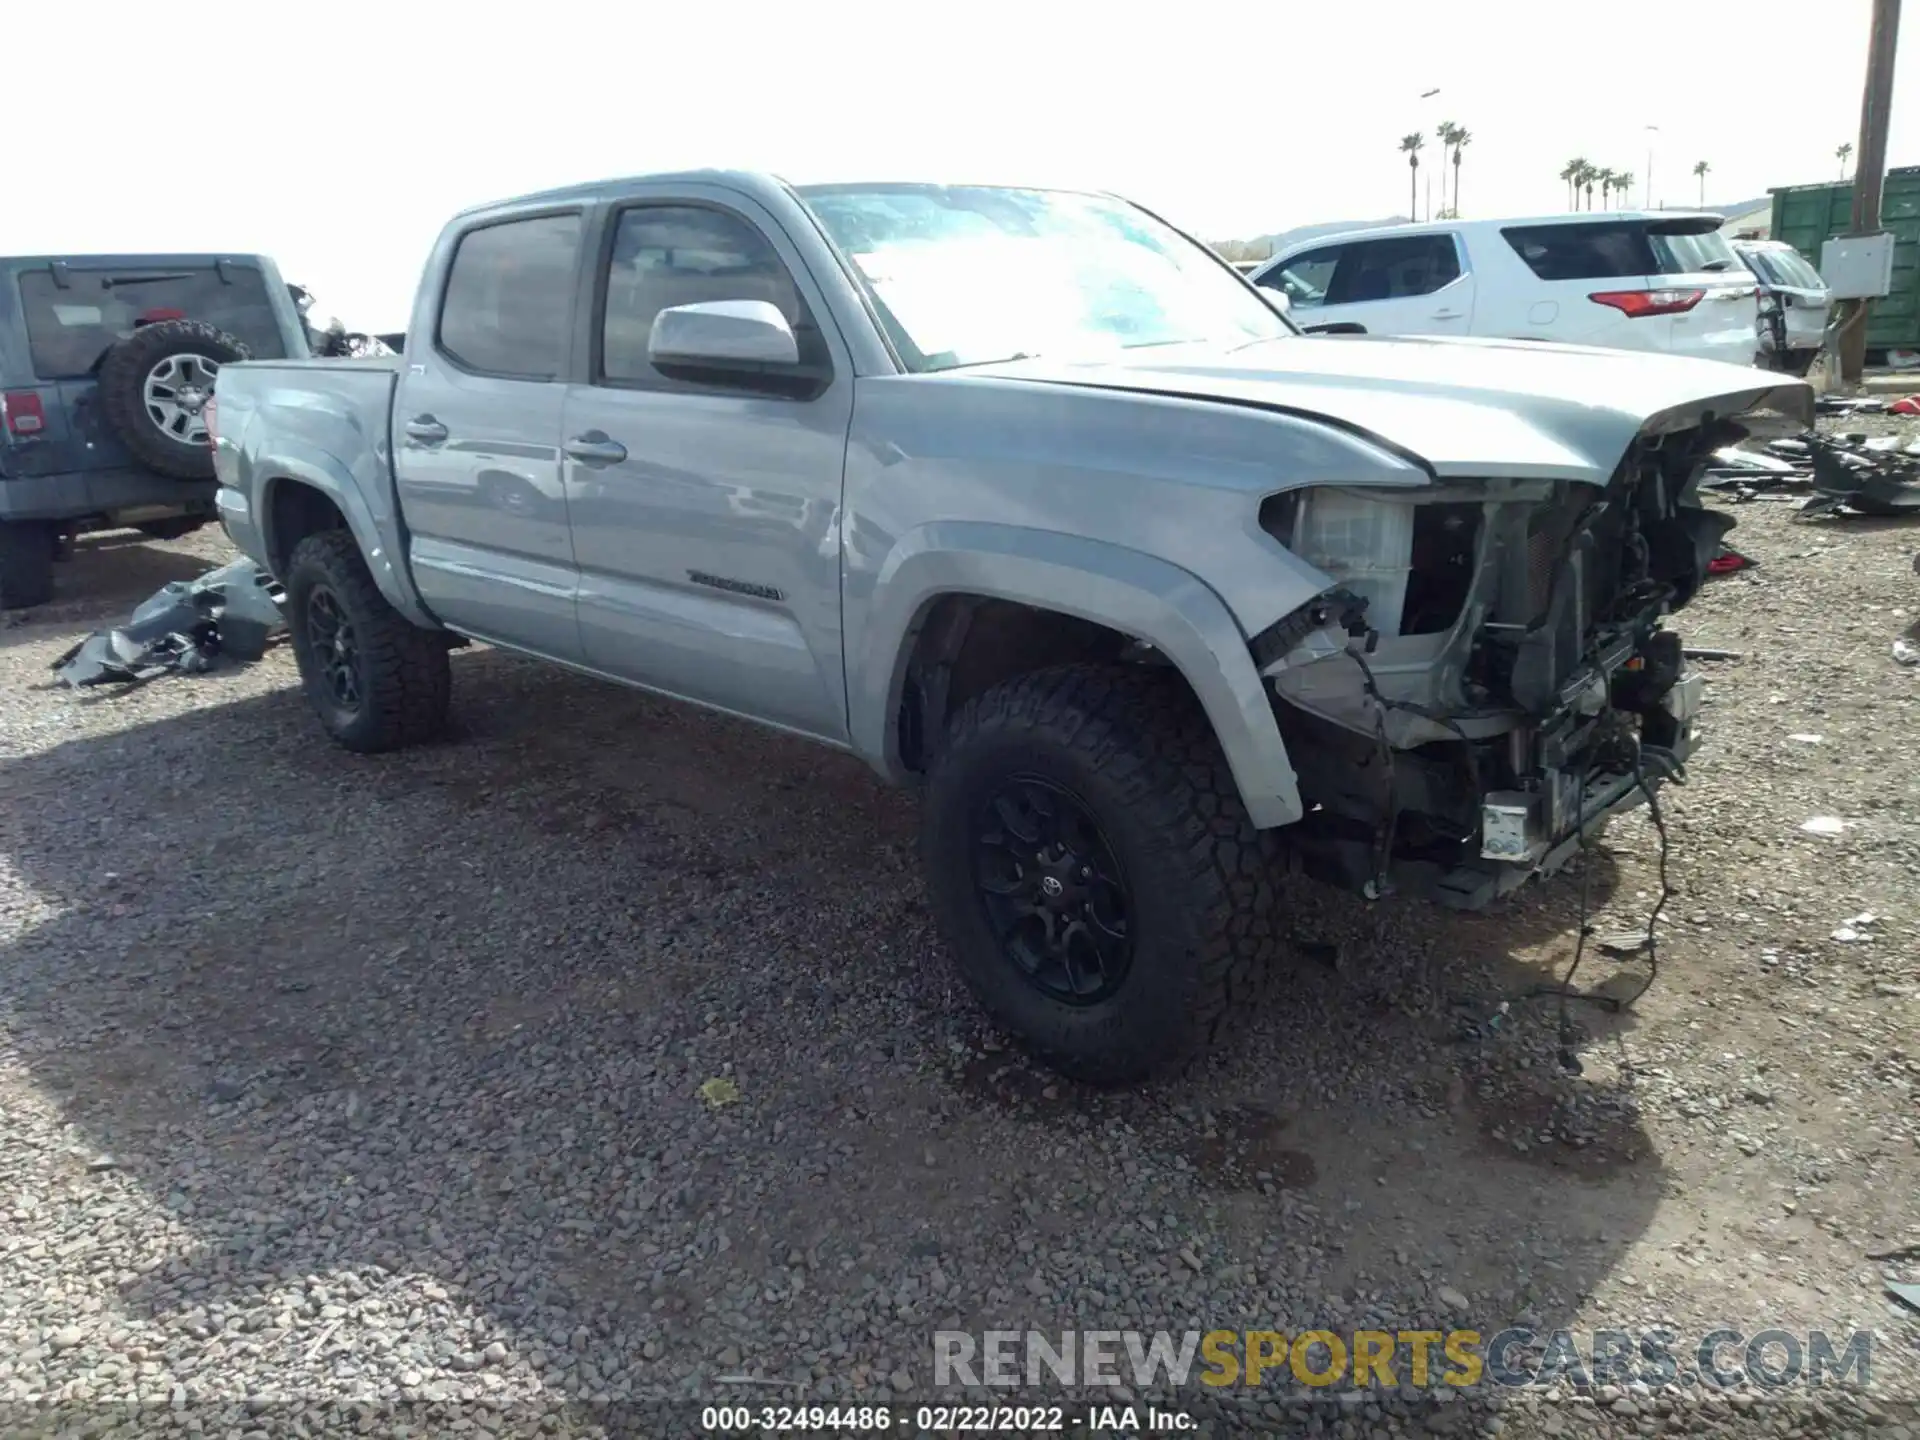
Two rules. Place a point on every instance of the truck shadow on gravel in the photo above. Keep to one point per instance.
(409, 1054)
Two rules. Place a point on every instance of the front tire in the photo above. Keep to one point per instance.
(376, 680)
(1094, 872)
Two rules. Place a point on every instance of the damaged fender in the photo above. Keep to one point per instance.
(1156, 602)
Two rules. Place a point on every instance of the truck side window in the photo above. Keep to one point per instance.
(1399, 268)
(509, 297)
(666, 255)
(1304, 279)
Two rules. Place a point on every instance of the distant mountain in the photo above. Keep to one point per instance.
(1742, 208)
(1314, 232)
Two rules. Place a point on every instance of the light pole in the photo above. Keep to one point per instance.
(1646, 201)
(1426, 95)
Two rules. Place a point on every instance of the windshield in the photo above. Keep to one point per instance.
(967, 275)
(1785, 268)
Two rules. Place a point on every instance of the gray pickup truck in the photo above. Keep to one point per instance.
(1026, 497)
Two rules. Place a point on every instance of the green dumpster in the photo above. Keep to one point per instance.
(1805, 216)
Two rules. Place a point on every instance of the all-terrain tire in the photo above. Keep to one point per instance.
(404, 678)
(26, 563)
(1134, 748)
(123, 398)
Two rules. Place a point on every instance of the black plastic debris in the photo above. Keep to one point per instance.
(1849, 405)
(1853, 473)
(1864, 478)
(183, 627)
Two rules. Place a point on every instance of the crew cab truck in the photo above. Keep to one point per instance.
(1027, 498)
(106, 365)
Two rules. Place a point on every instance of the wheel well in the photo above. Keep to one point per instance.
(967, 644)
(294, 511)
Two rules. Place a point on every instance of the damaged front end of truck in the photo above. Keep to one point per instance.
(1491, 674)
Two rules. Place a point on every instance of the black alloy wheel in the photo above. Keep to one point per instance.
(1054, 892)
(335, 647)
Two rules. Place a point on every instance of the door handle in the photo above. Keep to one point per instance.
(1446, 314)
(426, 429)
(595, 448)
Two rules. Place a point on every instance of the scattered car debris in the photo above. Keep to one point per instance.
(1729, 560)
(1905, 652)
(1907, 406)
(1868, 475)
(1807, 739)
(184, 626)
(1623, 944)
(1850, 405)
(1907, 1295)
(1692, 652)
(1824, 825)
(1854, 476)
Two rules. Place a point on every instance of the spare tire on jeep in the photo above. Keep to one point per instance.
(154, 388)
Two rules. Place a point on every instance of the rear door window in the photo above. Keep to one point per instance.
(1588, 250)
(1397, 269)
(71, 325)
(508, 307)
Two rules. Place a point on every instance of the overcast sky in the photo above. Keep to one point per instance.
(338, 137)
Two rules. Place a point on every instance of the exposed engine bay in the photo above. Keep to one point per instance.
(1490, 677)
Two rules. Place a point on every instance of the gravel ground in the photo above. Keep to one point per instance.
(330, 1082)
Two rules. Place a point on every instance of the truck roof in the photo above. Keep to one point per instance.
(753, 182)
(757, 183)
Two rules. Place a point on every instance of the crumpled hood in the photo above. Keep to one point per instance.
(1464, 407)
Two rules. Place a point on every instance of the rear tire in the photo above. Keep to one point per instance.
(376, 680)
(1193, 892)
(26, 563)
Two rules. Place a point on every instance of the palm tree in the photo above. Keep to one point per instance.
(1461, 136)
(1623, 183)
(1410, 147)
(1588, 175)
(1571, 173)
(1605, 177)
(1445, 135)
(1700, 169)
(1842, 155)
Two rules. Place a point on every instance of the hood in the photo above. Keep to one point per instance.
(1509, 408)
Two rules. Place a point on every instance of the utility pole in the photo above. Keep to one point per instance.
(1876, 110)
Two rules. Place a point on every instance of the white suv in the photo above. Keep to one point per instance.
(1630, 280)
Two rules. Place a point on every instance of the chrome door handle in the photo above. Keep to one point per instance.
(595, 448)
(426, 429)
(1446, 314)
